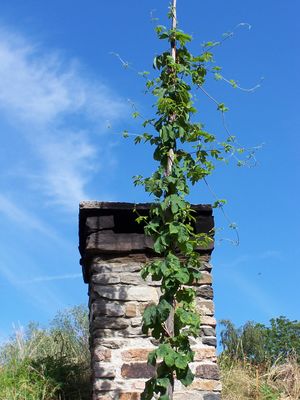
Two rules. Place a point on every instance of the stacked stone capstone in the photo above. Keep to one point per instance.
(114, 249)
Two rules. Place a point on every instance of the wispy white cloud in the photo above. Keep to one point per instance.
(50, 278)
(50, 100)
(26, 219)
(45, 298)
(245, 259)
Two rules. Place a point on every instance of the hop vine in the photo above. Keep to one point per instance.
(185, 154)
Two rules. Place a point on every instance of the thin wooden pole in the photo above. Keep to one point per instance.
(170, 320)
(173, 54)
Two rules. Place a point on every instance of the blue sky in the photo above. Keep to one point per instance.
(63, 104)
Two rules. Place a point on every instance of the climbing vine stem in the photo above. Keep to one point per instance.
(186, 153)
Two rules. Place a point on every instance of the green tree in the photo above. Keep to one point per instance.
(259, 343)
(282, 338)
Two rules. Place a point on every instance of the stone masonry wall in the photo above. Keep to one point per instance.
(117, 297)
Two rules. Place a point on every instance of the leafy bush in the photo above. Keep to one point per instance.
(48, 364)
(259, 344)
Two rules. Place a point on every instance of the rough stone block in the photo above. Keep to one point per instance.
(103, 370)
(98, 396)
(206, 278)
(131, 279)
(208, 371)
(105, 279)
(210, 341)
(136, 321)
(187, 395)
(104, 307)
(208, 331)
(129, 396)
(96, 223)
(100, 266)
(206, 385)
(211, 396)
(205, 307)
(107, 242)
(101, 354)
(131, 309)
(109, 385)
(127, 293)
(137, 371)
(135, 355)
(205, 264)
(205, 353)
(143, 293)
(207, 320)
(109, 343)
(206, 292)
(110, 323)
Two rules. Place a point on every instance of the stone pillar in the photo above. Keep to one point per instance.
(114, 249)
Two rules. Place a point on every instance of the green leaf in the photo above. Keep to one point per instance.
(181, 362)
(219, 203)
(218, 76)
(152, 358)
(164, 309)
(183, 276)
(169, 359)
(149, 316)
(222, 107)
(186, 377)
(163, 382)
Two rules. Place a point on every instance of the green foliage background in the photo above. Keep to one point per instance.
(48, 364)
(261, 344)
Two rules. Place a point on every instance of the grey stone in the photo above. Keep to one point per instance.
(103, 370)
(133, 332)
(205, 292)
(107, 308)
(212, 396)
(105, 279)
(131, 279)
(108, 242)
(205, 307)
(110, 323)
(111, 292)
(187, 396)
(206, 266)
(208, 331)
(107, 333)
(108, 343)
(127, 293)
(210, 341)
(130, 332)
(103, 386)
(104, 267)
(97, 223)
(136, 321)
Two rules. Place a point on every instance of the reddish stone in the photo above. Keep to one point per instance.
(206, 384)
(129, 396)
(131, 310)
(137, 370)
(135, 355)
